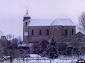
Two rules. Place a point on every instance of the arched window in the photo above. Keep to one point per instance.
(66, 32)
(47, 31)
(72, 31)
(39, 31)
(26, 23)
(55, 29)
(32, 32)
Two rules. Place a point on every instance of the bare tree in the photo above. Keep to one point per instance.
(9, 37)
(19, 38)
(82, 21)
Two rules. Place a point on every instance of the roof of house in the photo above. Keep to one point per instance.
(51, 22)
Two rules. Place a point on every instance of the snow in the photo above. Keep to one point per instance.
(6, 57)
(51, 22)
(40, 22)
(63, 22)
(81, 61)
(23, 45)
(26, 15)
(61, 59)
(34, 55)
(41, 61)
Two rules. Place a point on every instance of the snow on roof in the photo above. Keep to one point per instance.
(40, 22)
(62, 22)
(34, 55)
(51, 22)
(26, 15)
(23, 45)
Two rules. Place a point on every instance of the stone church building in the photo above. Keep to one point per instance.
(35, 30)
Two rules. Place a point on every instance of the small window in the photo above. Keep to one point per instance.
(47, 31)
(65, 31)
(55, 29)
(40, 32)
(26, 34)
(32, 32)
(26, 23)
(72, 31)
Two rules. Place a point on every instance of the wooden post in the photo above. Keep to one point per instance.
(11, 57)
(50, 60)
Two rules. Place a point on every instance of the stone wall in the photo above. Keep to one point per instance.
(56, 31)
(36, 36)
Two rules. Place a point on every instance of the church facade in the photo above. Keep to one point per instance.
(36, 30)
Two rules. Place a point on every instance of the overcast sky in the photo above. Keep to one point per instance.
(12, 12)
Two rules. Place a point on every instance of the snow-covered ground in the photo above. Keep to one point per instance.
(41, 61)
(58, 60)
(61, 59)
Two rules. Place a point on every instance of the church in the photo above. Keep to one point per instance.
(36, 30)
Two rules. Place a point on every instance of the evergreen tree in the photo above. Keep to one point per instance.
(39, 48)
(51, 51)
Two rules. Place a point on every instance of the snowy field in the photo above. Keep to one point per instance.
(41, 61)
(61, 59)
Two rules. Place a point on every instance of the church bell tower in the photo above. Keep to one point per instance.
(26, 21)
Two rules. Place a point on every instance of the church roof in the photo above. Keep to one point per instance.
(62, 22)
(51, 22)
(40, 22)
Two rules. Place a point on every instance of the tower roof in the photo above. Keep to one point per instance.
(26, 16)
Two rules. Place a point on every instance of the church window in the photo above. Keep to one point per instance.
(66, 31)
(32, 32)
(26, 23)
(40, 32)
(47, 31)
(55, 29)
(72, 31)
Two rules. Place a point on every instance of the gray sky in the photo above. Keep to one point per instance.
(12, 12)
